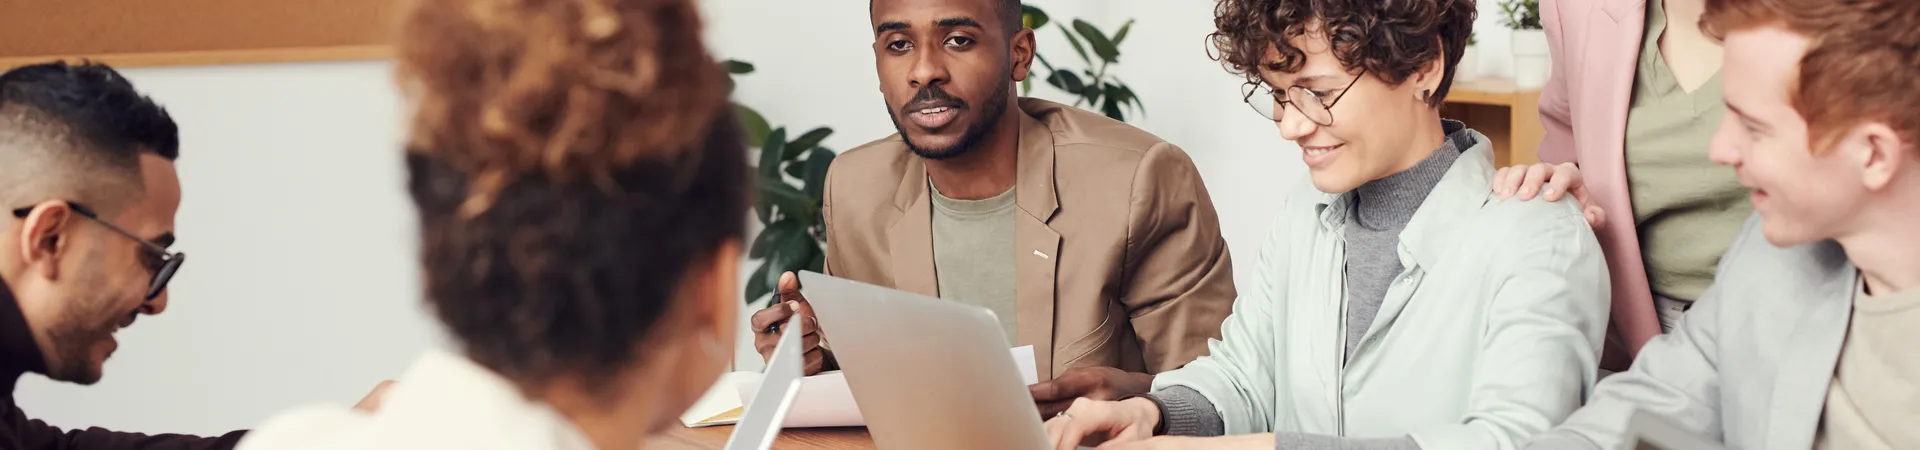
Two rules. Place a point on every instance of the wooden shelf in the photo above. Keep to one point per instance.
(133, 33)
(216, 57)
(1508, 115)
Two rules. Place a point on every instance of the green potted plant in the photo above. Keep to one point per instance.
(788, 184)
(1101, 90)
(1531, 61)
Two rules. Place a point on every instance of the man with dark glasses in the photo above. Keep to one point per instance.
(86, 170)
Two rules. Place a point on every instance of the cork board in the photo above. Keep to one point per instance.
(194, 32)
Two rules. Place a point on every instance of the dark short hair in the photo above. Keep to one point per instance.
(1391, 39)
(1009, 11)
(571, 163)
(99, 107)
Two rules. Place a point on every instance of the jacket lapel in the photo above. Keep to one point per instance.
(910, 238)
(1811, 354)
(1037, 245)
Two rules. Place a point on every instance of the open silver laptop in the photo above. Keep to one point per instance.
(926, 373)
(761, 421)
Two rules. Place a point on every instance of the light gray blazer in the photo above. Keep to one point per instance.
(1747, 366)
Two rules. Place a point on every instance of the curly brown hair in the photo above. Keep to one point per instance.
(1391, 39)
(570, 160)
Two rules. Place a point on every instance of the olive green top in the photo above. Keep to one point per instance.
(1688, 209)
(1870, 403)
(973, 257)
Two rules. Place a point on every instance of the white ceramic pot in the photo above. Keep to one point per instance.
(1469, 67)
(1531, 62)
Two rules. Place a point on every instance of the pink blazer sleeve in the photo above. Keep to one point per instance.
(1555, 115)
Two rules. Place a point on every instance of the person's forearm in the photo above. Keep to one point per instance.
(1304, 441)
(1184, 412)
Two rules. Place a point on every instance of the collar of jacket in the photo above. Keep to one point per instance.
(1034, 188)
(19, 353)
(1468, 185)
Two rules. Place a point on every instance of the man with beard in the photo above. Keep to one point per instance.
(88, 183)
(1091, 240)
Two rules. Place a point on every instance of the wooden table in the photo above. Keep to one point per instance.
(682, 438)
(1508, 115)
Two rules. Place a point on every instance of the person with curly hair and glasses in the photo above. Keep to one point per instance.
(582, 191)
(1402, 305)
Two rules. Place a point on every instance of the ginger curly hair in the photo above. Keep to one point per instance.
(1391, 39)
(570, 161)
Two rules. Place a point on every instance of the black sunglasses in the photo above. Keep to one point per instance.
(164, 264)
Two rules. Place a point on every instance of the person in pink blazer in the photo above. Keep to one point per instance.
(1629, 111)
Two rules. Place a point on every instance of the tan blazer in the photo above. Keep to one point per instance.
(1120, 259)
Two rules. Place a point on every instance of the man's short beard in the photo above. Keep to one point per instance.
(85, 320)
(977, 132)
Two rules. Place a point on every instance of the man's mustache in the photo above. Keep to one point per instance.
(932, 96)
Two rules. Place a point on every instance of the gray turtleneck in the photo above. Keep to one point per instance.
(1379, 211)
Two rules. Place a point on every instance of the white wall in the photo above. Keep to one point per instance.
(302, 284)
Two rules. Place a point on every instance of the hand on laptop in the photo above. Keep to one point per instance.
(1093, 383)
(790, 304)
(1095, 422)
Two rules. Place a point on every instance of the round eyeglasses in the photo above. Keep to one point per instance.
(1272, 104)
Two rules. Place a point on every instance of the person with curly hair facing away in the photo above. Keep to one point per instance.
(582, 193)
(1401, 305)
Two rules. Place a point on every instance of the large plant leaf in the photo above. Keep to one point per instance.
(1126, 92)
(1026, 85)
(1077, 46)
(798, 169)
(1033, 17)
(1092, 94)
(1043, 62)
(788, 200)
(1101, 45)
(792, 258)
(1113, 104)
(805, 142)
(772, 152)
(753, 125)
(778, 235)
(737, 67)
(1066, 81)
(757, 286)
(1119, 36)
(1123, 94)
(816, 179)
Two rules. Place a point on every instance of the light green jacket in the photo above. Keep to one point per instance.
(1491, 335)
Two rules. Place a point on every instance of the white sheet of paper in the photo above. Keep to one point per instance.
(825, 400)
(720, 398)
